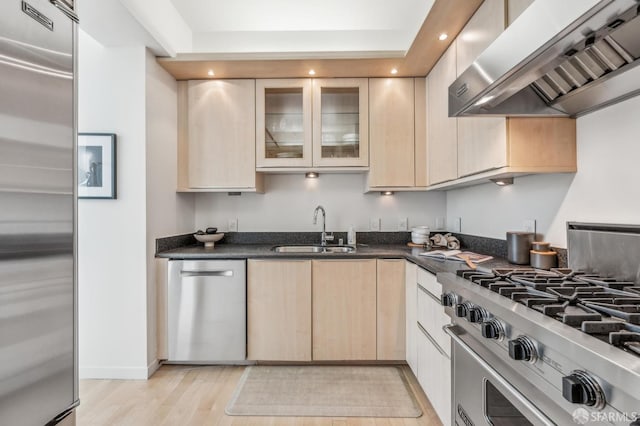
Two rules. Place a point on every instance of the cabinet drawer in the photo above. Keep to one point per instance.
(434, 376)
(432, 318)
(429, 282)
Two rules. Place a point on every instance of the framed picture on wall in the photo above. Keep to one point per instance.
(97, 165)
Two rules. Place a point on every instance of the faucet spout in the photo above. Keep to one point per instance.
(323, 237)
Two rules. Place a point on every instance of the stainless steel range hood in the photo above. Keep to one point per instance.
(559, 58)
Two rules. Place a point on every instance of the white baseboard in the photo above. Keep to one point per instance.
(151, 368)
(125, 373)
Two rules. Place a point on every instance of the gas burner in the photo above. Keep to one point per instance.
(543, 282)
(626, 340)
(607, 282)
(627, 312)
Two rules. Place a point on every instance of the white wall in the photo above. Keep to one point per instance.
(167, 211)
(111, 233)
(289, 202)
(124, 91)
(605, 188)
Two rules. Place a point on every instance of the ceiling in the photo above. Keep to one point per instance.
(283, 38)
(282, 26)
(415, 60)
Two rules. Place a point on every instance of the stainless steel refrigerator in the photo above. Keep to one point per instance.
(38, 356)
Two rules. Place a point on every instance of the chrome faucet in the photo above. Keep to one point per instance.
(324, 237)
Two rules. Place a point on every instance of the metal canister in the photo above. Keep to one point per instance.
(518, 246)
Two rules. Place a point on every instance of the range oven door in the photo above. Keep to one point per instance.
(482, 396)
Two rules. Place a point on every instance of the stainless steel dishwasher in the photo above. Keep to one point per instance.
(207, 311)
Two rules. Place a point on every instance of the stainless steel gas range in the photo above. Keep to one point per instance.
(550, 347)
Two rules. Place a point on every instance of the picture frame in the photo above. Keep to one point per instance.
(96, 164)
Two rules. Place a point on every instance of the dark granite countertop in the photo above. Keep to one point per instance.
(262, 251)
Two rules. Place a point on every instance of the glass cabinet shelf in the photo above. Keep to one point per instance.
(340, 112)
(284, 114)
(311, 123)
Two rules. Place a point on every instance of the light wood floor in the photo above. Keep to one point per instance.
(197, 395)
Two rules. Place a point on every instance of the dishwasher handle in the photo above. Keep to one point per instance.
(207, 273)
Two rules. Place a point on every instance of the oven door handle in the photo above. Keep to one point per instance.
(497, 377)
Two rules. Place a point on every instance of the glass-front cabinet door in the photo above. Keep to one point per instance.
(283, 123)
(340, 122)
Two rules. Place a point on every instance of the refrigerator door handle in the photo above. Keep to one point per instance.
(65, 9)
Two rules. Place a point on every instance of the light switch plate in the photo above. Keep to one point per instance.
(440, 223)
(374, 224)
(232, 225)
(403, 224)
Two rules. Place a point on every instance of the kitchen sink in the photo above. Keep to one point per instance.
(314, 249)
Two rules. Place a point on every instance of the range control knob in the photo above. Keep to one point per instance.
(522, 348)
(462, 309)
(448, 299)
(580, 387)
(493, 329)
(477, 314)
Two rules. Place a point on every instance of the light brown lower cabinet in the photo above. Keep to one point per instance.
(279, 310)
(344, 309)
(391, 309)
(326, 310)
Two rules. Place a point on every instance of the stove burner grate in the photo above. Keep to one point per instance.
(605, 308)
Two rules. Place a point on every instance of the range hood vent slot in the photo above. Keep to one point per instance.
(590, 62)
(582, 68)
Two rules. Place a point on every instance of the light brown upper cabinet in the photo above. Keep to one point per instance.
(482, 141)
(340, 122)
(216, 136)
(279, 310)
(521, 144)
(491, 147)
(397, 138)
(283, 123)
(344, 309)
(442, 132)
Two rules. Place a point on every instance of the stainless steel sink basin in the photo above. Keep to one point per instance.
(314, 249)
(340, 249)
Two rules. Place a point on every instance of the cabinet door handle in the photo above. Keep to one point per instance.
(228, 273)
(428, 293)
(433, 342)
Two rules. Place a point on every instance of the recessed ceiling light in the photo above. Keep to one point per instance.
(211, 73)
(394, 71)
(311, 175)
(312, 72)
(386, 192)
(442, 36)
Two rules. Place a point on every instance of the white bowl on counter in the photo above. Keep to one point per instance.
(420, 234)
(421, 230)
(209, 240)
(419, 239)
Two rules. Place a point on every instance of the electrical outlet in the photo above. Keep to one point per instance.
(374, 224)
(454, 224)
(440, 223)
(403, 224)
(529, 225)
(232, 225)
